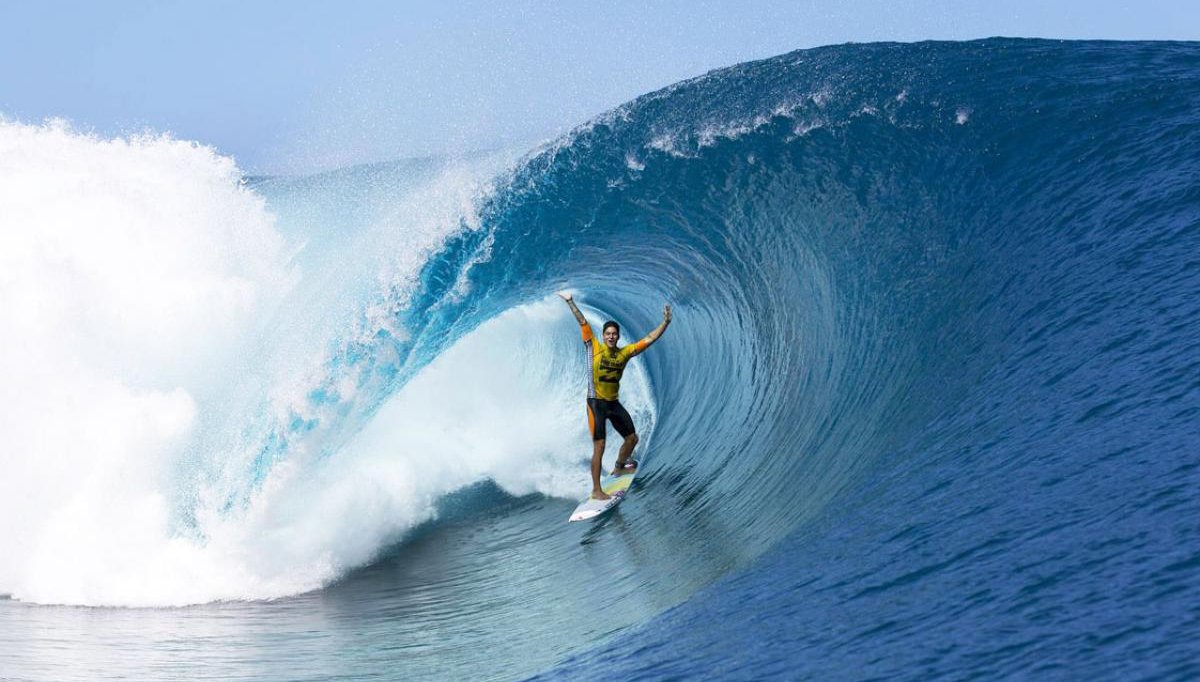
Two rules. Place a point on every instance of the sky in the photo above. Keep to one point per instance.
(294, 87)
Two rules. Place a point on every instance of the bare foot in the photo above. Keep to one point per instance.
(600, 495)
(625, 470)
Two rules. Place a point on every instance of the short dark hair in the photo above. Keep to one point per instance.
(612, 324)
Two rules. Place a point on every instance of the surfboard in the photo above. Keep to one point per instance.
(617, 486)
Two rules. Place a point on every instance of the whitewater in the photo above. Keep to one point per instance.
(927, 408)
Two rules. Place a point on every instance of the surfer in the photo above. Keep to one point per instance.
(606, 364)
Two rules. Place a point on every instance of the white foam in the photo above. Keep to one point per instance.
(133, 269)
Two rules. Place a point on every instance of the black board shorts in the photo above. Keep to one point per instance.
(610, 410)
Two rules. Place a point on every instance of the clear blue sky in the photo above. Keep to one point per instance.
(296, 86)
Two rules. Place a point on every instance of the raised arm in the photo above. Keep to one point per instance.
(657, 331)
(566, 296)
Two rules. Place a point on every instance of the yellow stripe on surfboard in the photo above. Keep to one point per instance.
(617, 484)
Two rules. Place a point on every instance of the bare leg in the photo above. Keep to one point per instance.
(631, 441)
(597, 456)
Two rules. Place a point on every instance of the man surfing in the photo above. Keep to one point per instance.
(606, 364)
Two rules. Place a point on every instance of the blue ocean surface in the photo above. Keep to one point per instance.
(927, 409)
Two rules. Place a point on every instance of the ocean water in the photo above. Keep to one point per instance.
(927, 409)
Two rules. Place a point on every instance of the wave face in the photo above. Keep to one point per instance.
(932, 370)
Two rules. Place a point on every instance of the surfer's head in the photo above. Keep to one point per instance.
(612, 332)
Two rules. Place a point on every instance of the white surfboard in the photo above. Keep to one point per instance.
(617, 486)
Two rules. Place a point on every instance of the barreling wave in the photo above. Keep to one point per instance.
(875, 252)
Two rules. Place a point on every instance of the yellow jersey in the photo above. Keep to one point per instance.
(606, 365)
